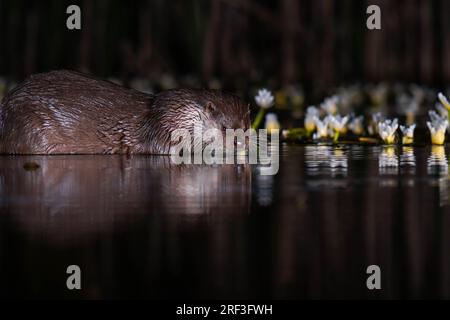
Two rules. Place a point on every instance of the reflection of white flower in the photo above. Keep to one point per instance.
(407, 158)
(388, 163)
(330, 105)
(408, 133)
(338, 159)
(264, 99)
(387, 129)
(388, 158)
(437, 161)
(321, 160)
(437, 127)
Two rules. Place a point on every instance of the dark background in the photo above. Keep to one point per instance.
(318, 43)
(141, 229)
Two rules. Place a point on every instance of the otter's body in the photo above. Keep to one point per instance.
(64, 112)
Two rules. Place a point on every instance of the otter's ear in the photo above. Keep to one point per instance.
(210, 107)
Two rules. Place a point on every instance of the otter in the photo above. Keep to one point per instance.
(67, 112)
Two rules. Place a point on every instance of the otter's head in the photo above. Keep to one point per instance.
(211, 109)
(223, 111)
(205, 109)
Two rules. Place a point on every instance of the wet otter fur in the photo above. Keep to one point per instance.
(66, 112)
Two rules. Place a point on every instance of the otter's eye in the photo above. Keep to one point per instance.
(210, 107)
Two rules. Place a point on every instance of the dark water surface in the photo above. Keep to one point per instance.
(140, 227)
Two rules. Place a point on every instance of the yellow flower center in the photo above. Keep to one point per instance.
(408, 140)
(438, 138)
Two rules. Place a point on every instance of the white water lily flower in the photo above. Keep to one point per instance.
(310, 123)
(441, 110)
(408, 133)
(330, 105)
(272, 122)
(408, 106)
(349, 96)
(312, 111)
(419, 93)
(379, 94)
(322, 128)
(444, 101)
(285, 134)
(356, 125)
(338, 123)
(264, 99)
(408, 130)
(387, 129)
(376, 118)
(437, 128)
(328, 119)
(436, 117)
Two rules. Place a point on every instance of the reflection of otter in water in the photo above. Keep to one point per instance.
(70, 197)
(65, 112)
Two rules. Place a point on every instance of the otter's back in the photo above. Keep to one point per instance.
(69, 112)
